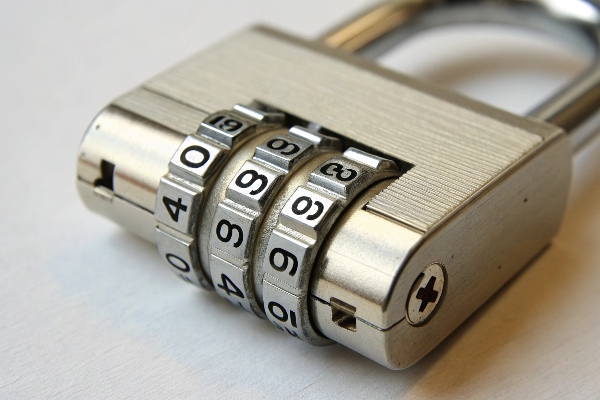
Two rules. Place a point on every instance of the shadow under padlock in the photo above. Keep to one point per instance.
(380, 220)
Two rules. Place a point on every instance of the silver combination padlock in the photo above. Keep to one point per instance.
(341, 201)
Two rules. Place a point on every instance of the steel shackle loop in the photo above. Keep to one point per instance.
(577, 21)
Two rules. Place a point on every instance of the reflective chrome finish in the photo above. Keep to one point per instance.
(238, 217)
(426, 294)
(289, 313)
(436, 202)
(304, 223)
(181, 192)
(230, 283)
(197, 159)
(178, 204)
(226, 128)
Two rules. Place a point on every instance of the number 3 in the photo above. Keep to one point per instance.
(339, 171)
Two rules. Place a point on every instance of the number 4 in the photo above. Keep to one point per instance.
(229, 287)
(173, 207)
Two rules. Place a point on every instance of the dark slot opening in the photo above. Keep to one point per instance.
(342, 314)
(291, 120)
(107, 171)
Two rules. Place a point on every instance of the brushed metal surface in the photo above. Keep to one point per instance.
(162, 110)
(576, 23)
(482, 247)
(459, 147)
(89, 311)
(470, 164)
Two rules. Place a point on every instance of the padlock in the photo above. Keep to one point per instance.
(339, 200)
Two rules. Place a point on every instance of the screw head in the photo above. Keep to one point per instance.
(426, 294)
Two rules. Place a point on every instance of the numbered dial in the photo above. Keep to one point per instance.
(303, 224)
(238, 216)
(226, 127)
(284, 309)
(181, 256)
(230, 283)
(178, 204)
(180, 193)
(197, 159)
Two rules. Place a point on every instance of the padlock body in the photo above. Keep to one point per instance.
(482, 191)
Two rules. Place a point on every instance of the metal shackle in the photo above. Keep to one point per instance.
(574, 108)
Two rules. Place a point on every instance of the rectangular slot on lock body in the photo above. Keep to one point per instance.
(107, 171)
(125, 152)
(342, 314)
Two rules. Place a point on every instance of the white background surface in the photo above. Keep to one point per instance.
(88, 310)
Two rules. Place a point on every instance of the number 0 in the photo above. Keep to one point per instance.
(192, 161)
(177, 262)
